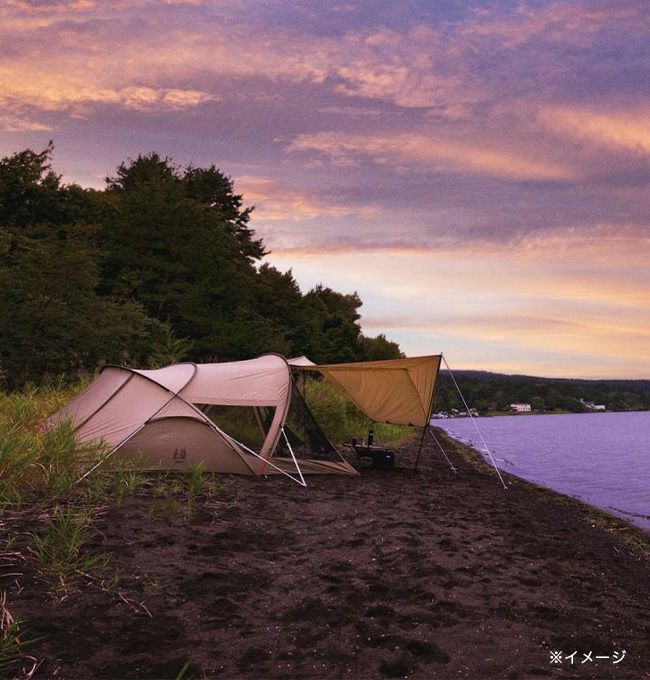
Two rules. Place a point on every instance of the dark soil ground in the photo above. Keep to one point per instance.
(392, 574)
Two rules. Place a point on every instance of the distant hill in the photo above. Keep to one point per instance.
(488, 391)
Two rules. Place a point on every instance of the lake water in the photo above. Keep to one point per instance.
(601, 458)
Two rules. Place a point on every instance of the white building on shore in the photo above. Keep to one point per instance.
(589, 405)
(520, 408)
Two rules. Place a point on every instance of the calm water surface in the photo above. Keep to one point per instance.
(601, 458)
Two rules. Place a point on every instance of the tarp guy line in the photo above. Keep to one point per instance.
(485, 446)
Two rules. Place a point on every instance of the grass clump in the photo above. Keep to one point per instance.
(37, 463)
(58, 547)
(14, 661)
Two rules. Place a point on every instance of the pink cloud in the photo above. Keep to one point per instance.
(622, 129)
(575, 22)
(277, 201)
(433, 152)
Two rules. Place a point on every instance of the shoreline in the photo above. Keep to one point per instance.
(612, 521)
(517, 463)
(391, 574)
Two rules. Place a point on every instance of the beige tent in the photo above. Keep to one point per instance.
(398, 391)
(184, 415)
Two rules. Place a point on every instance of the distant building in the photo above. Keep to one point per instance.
(520, 408)
(590, 406)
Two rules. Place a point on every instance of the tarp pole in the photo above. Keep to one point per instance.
(428, 420)
(485, 446)
(417, 458)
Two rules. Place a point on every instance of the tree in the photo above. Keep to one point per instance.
(160, 265)
(52, 319)
(179, 245)
(375, 349)
(337, 333)
(31, 193)
(537, 404)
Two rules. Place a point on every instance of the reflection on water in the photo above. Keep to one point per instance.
(601, 458)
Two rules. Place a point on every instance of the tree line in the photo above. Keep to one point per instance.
(161, 265)
(487, 392)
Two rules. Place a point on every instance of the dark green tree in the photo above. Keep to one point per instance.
(52, 318)
(53, 321)
(179, 244)
(337, 333)
(161, 265)
(375, 349)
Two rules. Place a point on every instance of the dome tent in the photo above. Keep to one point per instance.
(180, 416)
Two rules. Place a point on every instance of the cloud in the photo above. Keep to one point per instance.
(9, 123)
(75, 96)
(629, 130)
(52, 6)
(277, 201)
(573, 305)
(409, 69)
(432, 153)
(444, 159)
(575, 22)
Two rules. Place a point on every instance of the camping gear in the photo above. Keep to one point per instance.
(382, 458)
(232, 417)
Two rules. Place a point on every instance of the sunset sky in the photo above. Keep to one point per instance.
(477, 171)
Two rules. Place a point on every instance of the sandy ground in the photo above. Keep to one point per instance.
(392, 574)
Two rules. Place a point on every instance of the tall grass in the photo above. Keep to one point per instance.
(341, 420)
(38, 465)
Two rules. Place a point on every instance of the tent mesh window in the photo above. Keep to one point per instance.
(305, 436)
(249, 425)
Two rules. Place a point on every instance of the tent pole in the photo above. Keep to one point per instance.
(286, 439)
(485, 446)
(300, 481)
(128, 437)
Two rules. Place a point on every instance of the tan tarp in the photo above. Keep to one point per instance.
(395, 391)
(154, 413)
